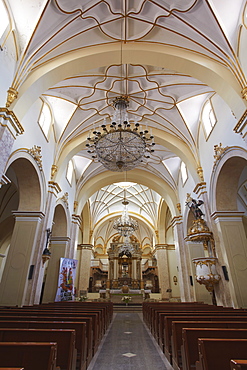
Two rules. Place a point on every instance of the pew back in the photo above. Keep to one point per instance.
(38, 356)
(217, 353)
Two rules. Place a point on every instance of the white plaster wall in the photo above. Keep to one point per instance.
(173, 270)
(221, 133)
(7, 68)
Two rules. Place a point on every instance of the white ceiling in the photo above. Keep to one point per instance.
(163, 99)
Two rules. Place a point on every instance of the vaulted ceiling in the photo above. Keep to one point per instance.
(54, 33)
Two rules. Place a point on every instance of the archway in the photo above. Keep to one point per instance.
(22, 220)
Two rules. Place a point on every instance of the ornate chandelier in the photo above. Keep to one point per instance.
(121, 147)
(125, 225)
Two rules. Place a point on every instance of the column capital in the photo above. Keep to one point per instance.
(200, 188)
(164, 247)
(59, 239)
(159, 247)
(223, 216)
(76, 219)
(54, 188)
(28, 216)
(84, 246)
(9, 120)
(176, 220)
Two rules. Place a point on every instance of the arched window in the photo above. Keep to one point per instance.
(208, 118)
(45, 119)
(4, 20)
(70, 170)
(184, 173)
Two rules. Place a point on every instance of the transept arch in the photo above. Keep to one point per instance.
(79, 61)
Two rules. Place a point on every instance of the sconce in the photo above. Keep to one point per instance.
(46, 255)
(175, 280)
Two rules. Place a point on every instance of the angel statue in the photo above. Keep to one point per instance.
(194, 206)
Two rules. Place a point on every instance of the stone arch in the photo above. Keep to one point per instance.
(140, 176)
(79, 61)
(30, 180)
(60, 222)
(174, 144)
(225, 179)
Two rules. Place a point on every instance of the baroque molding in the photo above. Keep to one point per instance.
(35, 152)
(9, 116)
(65, 199)
(11, 96)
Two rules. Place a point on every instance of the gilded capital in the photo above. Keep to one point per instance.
(75, 205)
(200, 173)
(53, 171)
(12, 95)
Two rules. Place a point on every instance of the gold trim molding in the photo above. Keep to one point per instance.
(9, 116)
(12, 95)
(241, 123)
(84, 247)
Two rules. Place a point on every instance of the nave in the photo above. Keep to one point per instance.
(128, 344)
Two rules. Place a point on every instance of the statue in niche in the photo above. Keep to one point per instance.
(194, 206)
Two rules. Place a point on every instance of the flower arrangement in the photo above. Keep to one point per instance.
(126, 299)
(82, 298)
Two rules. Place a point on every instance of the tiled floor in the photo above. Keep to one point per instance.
(128, 345)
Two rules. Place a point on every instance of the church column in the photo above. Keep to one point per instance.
(181, 248)
(134, 262)
(163, 269)
(59, 249)
(233, 244)
(115, 273)
(14, 283)
(76, 223)
(37, 281)
(9, 128)
(84, 265)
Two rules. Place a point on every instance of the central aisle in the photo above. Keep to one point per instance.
(128, 345)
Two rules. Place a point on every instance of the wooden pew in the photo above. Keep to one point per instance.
(65, 339)
(38, 356)
(178, 326)
(217, 353)
(56, 316)
(84, 356)
(160, 317)
(190, 343)
(168, 326)
(237, 364)
(107, 306)
(91, 334)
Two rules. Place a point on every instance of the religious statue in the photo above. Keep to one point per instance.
(194, 207)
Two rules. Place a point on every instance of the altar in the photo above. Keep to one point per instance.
(116, 295)
(125, 266)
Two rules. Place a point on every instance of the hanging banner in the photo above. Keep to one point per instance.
(66, 278)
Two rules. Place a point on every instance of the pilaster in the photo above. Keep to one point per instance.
(14, 283)
(10, 127)
(75, 227)
(233, 244)
(181, 248)
(84, 264)
(163, 270)
(59, 249)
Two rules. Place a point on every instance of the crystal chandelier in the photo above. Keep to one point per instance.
(125, 225)
(121, 147)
